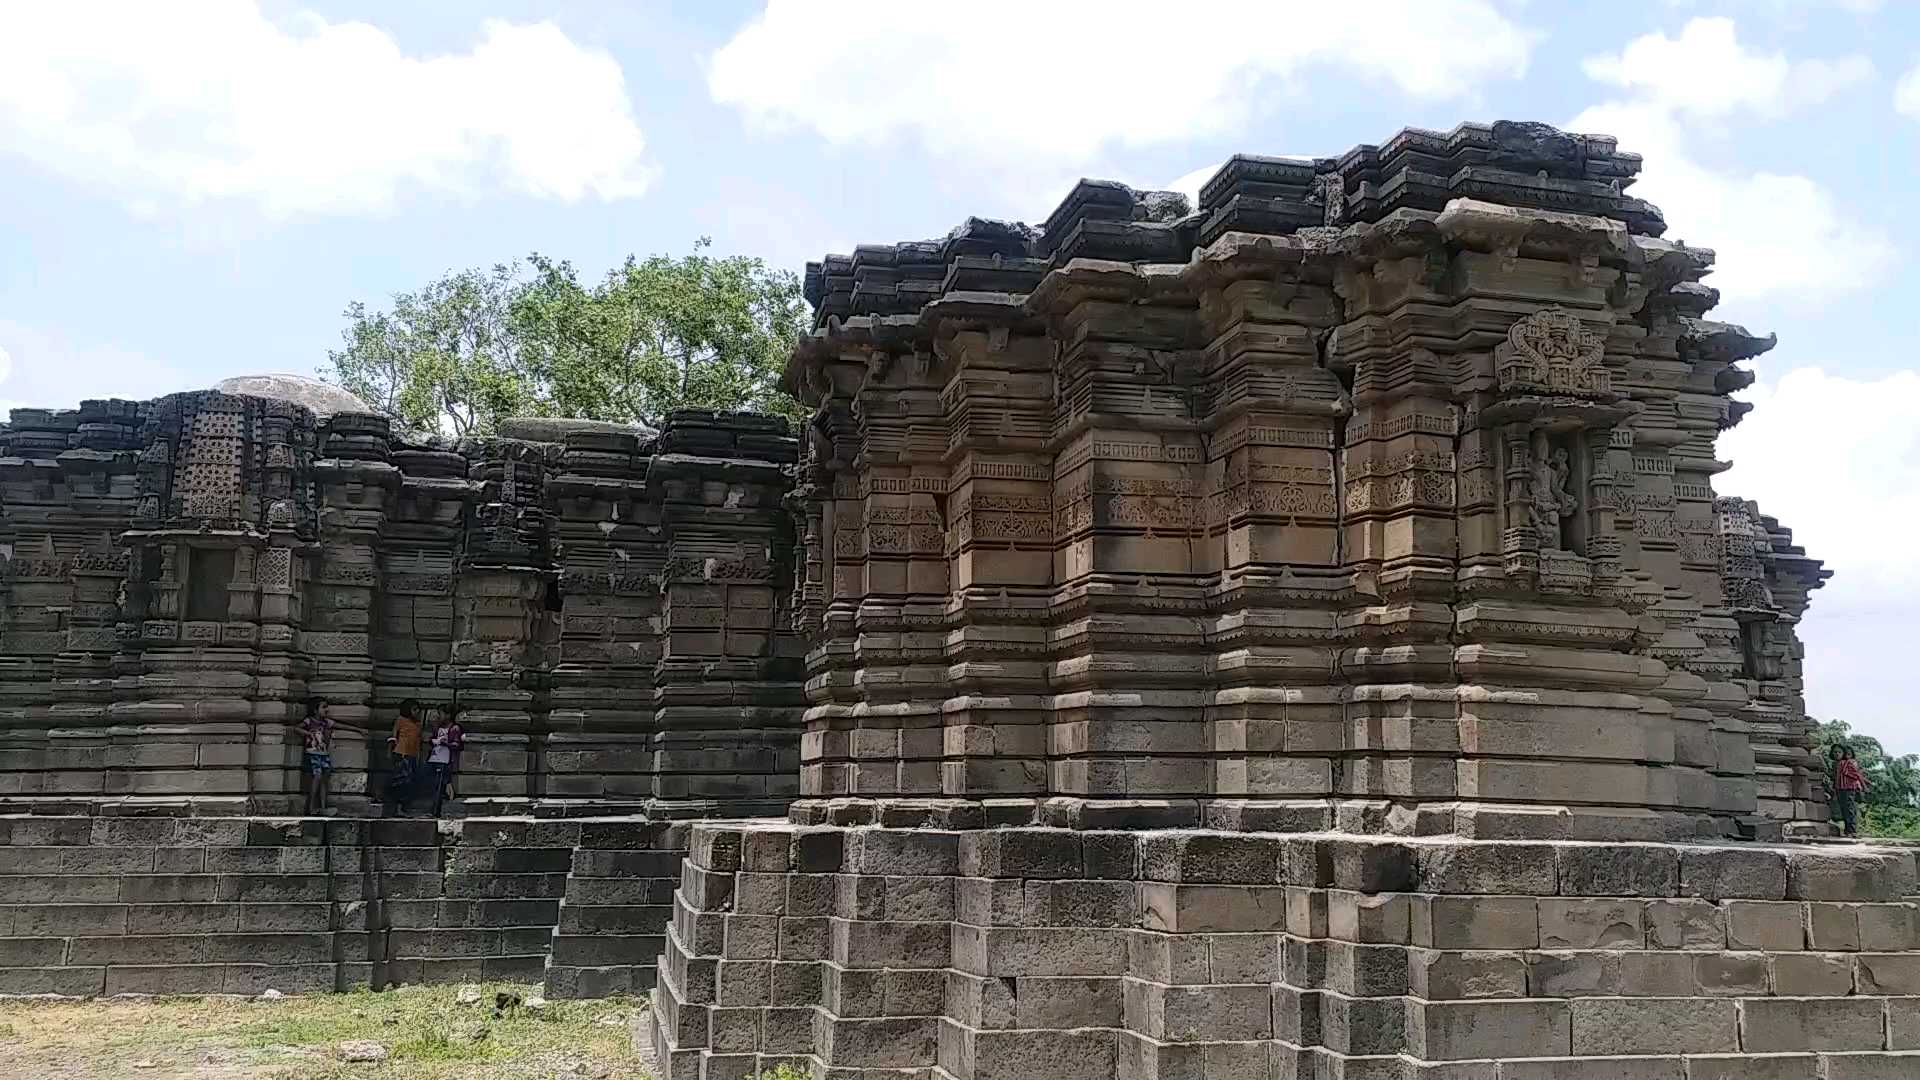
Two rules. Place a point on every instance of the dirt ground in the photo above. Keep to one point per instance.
(422, 1033)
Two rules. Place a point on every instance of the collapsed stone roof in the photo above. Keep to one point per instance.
(1509, 163)
(322, 398)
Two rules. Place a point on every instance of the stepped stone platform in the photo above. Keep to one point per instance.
(995, 954)
(177, 904)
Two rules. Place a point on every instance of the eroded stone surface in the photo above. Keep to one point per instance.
(1374, 494)
(1441, 982)
(179, 577)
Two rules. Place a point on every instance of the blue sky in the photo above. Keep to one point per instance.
(192, 191)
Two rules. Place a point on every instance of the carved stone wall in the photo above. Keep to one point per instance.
(1374, 493)
(609, 606)
(1296, 637)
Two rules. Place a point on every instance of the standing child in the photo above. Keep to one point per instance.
(443, 755)
(404, 746)
(1849, 784)
(316, 734)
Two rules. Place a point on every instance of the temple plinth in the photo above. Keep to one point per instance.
(1294, 636)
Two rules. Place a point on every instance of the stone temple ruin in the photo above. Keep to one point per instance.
(1292, 638)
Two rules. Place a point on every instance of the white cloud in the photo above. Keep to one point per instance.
(1706, 72)
(185, 103)
(1776, 235)
(1013, 83)
(1906, 94)
(1837, 460)
(1784, 8)
(46, 368)
(1189, 184)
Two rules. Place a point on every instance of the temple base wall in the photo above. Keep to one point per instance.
(1029, 952)
(189, 905)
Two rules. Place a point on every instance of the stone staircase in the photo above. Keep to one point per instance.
(612, 921)
(174, 904)
(990, 955)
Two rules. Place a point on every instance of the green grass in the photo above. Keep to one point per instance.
(427, 1036)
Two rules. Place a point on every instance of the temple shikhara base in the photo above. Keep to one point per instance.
(1292, 637)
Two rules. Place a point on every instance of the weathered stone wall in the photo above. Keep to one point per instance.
(149, 905)
(1055, 954)
(178, 577)
(1295, 638)
(1374, 494)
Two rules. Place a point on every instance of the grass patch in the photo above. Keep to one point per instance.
(426, 1034)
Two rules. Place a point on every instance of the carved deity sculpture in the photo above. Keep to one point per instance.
(1551, 494)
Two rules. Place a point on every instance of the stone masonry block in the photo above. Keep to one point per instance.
(1373, 866)
(1464, 922)
(715, 848)
(1043, 951)
(1110, 856)
(1449, 975)
(1812, 975)
(1622, 1026)
(1173, 958)
(1362, 1026)
(1903, 1023)
(1213, 908)
(1355, 970)
(902, 852)
(1082, 903)
(1743, 974)
(1864, 876)
(765, 850)
(1754, 1067)
(1306, 862)
(1372, 918)
(1211, 1013)
(1022, 853)
(879, 944)
(1726, 873)
(1236, 958)
(1306, 912)
(1573, 974)
(1869, 1066)
(1657, 974)
(1067, 1003)
(1893, 974)
(1833, 927)
(1211, 858)
(1888, 927)
(1637, 870)
(1058, 1055)
(816, 850)
(1463, 1030)
(1798, 1025)
(1685, 924)
(1487, 868)
(1767, 927)
(1595, 1068)
(1592, 924)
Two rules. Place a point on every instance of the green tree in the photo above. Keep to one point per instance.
(445, 358)
(530, 338)
(661, 333)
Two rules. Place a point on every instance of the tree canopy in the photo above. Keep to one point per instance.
(1891, 805)
(531, 338)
